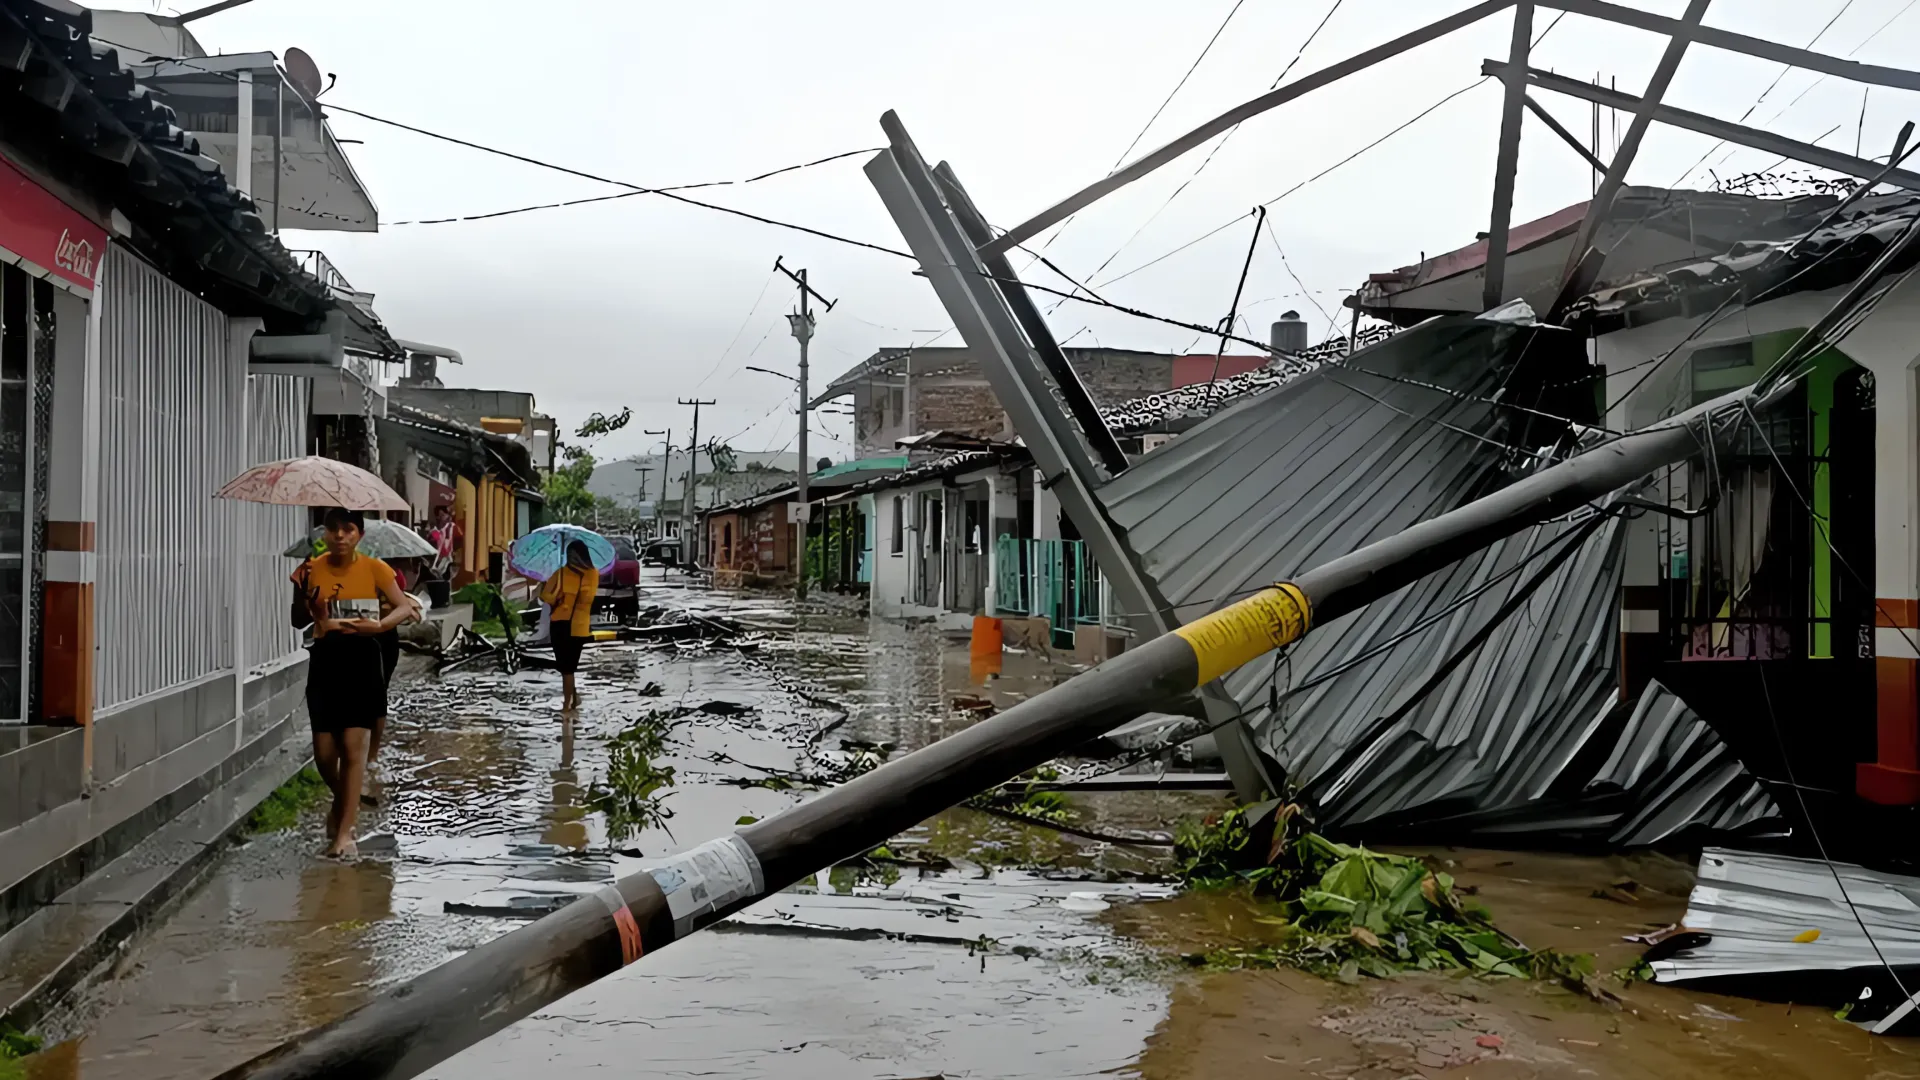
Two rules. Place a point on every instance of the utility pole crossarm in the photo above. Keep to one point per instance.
(800, 279)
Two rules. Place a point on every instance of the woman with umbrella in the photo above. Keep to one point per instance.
(569, 595)
(350, 599)
(346, 593)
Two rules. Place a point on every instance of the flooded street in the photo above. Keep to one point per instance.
(489, 793)
(977, 948)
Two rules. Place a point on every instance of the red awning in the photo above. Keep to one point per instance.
(45, 236)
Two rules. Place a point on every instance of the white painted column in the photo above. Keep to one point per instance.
(992, 543)
(243, 142)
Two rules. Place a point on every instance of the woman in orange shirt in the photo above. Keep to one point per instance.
(569, 594)
(346, 679)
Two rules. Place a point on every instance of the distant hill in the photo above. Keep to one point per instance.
(620, 480)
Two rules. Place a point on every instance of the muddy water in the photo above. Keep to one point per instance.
(977, 969)
(1287, 1023)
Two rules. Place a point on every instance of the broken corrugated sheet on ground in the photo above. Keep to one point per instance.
(1755, 905)
(1527, 736)
(1775, 915)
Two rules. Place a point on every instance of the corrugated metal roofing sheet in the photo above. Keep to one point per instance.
(1527, 735)
(1755, 906)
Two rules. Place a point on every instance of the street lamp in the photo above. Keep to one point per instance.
(770, 371)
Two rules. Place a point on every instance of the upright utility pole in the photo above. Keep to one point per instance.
(802, 323)
(666, 467)
(686, 490)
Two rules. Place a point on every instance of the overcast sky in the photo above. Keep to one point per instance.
(640, 301)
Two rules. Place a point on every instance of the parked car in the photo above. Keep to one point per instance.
(663, 552)
(620, 585)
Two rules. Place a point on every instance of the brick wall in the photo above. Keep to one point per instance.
(950, 393)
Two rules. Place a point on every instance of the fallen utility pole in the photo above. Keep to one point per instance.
(413, 1027)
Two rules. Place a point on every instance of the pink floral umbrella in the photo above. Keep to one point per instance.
(312, 481)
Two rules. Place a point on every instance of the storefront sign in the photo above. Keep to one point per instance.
(46, 236)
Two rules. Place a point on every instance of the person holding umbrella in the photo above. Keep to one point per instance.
(353, 600)
(569, 595)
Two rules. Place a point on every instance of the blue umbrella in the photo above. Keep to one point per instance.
(541, 553)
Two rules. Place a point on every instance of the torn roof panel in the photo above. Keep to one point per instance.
(1647, 226)
(1756, 905)
(1526, 735)
(1758, 268)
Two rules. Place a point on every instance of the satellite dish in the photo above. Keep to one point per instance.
(303, 73)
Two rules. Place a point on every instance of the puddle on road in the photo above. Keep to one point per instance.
(893, 971)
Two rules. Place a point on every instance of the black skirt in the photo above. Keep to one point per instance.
(566, 648)
(346, 682)
(389, 655)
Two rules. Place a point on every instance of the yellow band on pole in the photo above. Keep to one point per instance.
(1246, 630)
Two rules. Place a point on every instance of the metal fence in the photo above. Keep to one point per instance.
(276, 426)
(1057, 580)
(170, 432)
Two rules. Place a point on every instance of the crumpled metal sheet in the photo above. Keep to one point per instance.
(1527, 735)
(1755, 905)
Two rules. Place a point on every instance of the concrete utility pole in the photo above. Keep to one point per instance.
(687, 547)
(666, 467)
(802, 324)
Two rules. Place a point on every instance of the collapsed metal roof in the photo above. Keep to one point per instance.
(1757, 268)
(1528, 734)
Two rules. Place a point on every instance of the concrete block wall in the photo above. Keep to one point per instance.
(151, 761)
(40, 768)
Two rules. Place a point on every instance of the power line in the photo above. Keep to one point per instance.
(764, 286)
(1317, 176)
(1215, 149)
(491, 214)
(1144, 128)
(637, 188)
(1855, 51)
(1211, 233)
(1135, 312)
(1191, 68)
(1784, 68)
(1304, 291)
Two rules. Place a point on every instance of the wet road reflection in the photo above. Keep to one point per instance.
(499, 807)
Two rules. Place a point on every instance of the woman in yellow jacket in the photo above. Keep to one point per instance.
(569, 595)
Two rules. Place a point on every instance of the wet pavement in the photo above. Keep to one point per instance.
(991, 950)
(491, 796)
